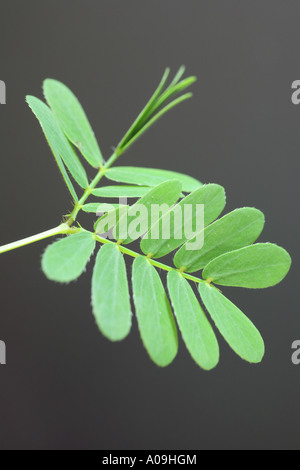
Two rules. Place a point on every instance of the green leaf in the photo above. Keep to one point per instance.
(137, 123)
(156, 323)
(180, 221)
(150, 177)
(98, 208)
(121, 191)
(172, 91)
(161, 112)
(61, 148)
(137, 220)
(110, 294)
(73, 120)
(235, 327)
(66, 259)
(159, 104)
(162, 95)
(196, 330)
(256, 267)
(235, 230)
(178, 76)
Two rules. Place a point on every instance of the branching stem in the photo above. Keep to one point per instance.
(67, 229)
(72, 217)
(157, 264)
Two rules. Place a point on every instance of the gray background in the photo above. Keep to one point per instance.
(65, 386)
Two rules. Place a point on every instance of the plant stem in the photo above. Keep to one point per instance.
(65, 228)
(133, 254)
(61, 229)
(72, 217)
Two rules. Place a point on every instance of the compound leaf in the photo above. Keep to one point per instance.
(121, 191)
(61, 148)
(73, 120)
(137, 220)
(150, 177)
(156, 323)
(256, 267)
(110, 293)
(66, 259)
(196, 330)
(174, 227)
(235, 230)
(235, 327)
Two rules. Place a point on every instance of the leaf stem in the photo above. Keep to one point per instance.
(61, 229)
(157, 264)
(153, 110)
(78, 206)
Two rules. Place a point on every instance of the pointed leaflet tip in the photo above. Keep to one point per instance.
(178, 76)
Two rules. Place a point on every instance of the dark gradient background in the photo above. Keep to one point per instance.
(65, 386)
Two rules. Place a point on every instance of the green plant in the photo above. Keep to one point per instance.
(229, 256)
